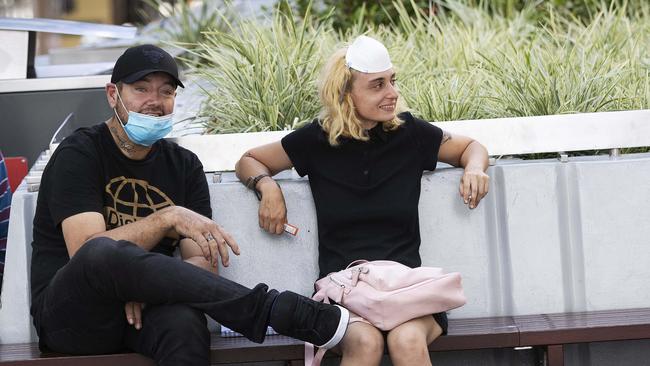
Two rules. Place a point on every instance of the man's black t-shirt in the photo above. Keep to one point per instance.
(88, 173)
(366, 193)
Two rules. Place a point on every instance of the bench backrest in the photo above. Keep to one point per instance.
(550, 237)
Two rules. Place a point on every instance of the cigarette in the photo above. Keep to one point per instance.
(291, 229)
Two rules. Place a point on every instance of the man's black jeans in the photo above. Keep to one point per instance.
(82, 309)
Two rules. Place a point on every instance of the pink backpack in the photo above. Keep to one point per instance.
(387, 294)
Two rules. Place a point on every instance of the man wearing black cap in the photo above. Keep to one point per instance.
(115, 201)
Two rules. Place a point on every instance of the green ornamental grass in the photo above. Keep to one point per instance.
(460, 63)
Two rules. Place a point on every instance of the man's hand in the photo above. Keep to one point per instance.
(133, 311)
(211, 238)
(273, 210)
(474, 186)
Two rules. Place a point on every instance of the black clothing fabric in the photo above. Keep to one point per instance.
(82, 310)
(139, 61)
(366, 193)
(78, 303)
(88, 173)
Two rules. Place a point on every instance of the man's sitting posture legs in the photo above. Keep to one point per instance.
(90, 291)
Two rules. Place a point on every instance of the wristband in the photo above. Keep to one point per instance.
(251, 183)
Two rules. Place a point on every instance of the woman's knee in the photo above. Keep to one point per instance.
(408, 340)
(366, 341)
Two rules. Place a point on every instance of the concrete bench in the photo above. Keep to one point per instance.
(551, 238)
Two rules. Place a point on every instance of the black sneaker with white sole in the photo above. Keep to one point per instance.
(300, 317)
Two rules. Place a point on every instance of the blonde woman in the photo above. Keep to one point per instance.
(365, 161)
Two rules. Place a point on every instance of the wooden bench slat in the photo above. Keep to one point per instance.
(29, 354)
(240, 349)
(478, 333)
(584, 327)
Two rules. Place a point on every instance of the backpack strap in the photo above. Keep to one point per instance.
(312, 359)
(354, 263)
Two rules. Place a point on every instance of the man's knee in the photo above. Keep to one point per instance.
(186, 316)
(183, 322)
(407, 341)
(102, 250)
(174, 335)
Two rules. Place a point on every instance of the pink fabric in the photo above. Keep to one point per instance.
(310, 358)
(387, 294)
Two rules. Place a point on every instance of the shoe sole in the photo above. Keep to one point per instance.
(340, 329)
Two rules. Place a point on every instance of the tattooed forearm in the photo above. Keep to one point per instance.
(446, 136)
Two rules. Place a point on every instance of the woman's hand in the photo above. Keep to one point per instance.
(474, 186)
(267, 159)
(462, 151)
(273, 210)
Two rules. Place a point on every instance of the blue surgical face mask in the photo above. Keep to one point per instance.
(144, 129)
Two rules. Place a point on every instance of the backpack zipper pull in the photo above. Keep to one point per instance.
(356, 273)
(342, 289)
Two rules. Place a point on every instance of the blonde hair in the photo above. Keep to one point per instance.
(338, 117)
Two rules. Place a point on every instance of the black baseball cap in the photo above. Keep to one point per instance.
(139, 61)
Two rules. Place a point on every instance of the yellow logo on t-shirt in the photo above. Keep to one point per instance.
(132, 199)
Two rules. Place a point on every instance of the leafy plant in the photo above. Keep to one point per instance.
(184, 22)
(262, 77)
(459, 63)
(345, 15)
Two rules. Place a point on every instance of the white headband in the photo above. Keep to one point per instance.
(367, 55)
